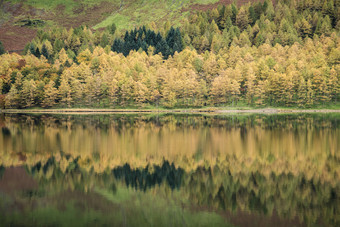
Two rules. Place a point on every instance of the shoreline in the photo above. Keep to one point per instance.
(208, 110)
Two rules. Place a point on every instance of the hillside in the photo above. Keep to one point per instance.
(258, 55)
(19, 19)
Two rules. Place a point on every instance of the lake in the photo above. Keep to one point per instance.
(170, 170)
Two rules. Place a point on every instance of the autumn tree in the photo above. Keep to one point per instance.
(12, 98)
(50, 95)
(242, 19)
(64, 92)
(28, 93)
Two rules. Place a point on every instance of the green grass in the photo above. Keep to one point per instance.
(121, 21)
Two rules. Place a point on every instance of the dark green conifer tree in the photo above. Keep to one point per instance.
(162, 47)
(234, 13)
(32, 48)
(37, 52)
(2, 49)
(44, 52)
(117, 46)
(252, 15)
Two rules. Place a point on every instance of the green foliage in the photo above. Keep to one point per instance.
(144, 38)
(112, 28)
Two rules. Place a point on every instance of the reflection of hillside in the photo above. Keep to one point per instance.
(305, 143)
(266, 164)
(310, 200)
(16, 179)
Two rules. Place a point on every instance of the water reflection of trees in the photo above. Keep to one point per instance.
(121, 121)
(2, 170)
(311, 200)
(264, 163)
(261, 143)
(143, 179)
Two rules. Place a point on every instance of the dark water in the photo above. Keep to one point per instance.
(170, 170)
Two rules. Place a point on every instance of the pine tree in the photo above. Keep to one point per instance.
(170, 39)
(252, 15)
(117, 46)
(44, 52)
(178, 44)
(37, 52)
(162, 47)
(2, 49)
(234, 12)
(32, 49)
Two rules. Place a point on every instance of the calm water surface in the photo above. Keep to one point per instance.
(170, 170)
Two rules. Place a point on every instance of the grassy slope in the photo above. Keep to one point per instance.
(125, 13)
(96, 14)
(136, 13)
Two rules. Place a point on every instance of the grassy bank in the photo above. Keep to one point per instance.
(218, 110)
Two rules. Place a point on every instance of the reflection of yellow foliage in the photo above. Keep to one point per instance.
(278, 150)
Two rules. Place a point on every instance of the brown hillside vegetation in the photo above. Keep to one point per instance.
(16, 179)
(15, 37)
(81, 15)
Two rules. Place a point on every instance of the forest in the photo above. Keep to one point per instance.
(258, 54)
